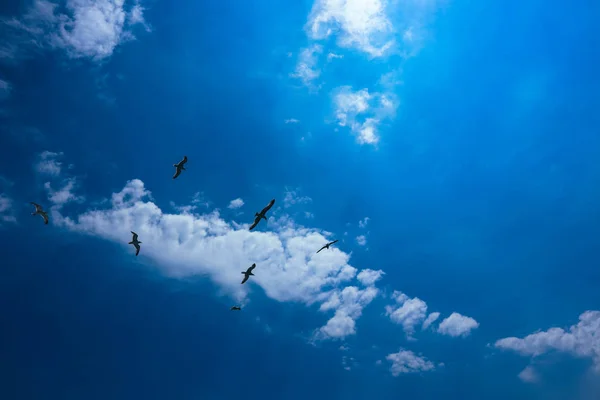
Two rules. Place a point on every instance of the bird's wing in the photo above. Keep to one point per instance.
(37, 206)
(137, 248)
(135, 236)
(184, 160)
(268, 207)
(334, 242)
(256, 221)
(245, 279)
(321, 248)
(177, 173)
(252, 267)
(45, 216)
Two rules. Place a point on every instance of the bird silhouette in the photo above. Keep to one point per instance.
(327, 245)
(248, 273)
(40, 211)
(180, 167)
(261, 215)
(135, 242)
(235, 308)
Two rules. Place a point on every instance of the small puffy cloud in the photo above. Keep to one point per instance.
(457, 325)
(362, 111)
(6, 209)
(83, 28)
(363, 222)
(529, 375)
(406, 362)
(348, 305)
(48, 163)
(306, 68)
(431, 318)
(368, 277)
(361, 240)
(363, 25)
(236, 203)
(407, 312)
(291, 121)
(580, 340)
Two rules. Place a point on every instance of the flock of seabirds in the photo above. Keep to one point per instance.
(180, 166)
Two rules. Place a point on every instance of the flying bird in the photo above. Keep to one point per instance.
(180, 167)
(248, 273)
(235, 308)
(40, 211)
(135, 242)
(261, 215)
(327, 245)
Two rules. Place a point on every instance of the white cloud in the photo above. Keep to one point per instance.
(408, 312)
(361, 240)
(292, 197)
(63, 195)
(291, 121)
(181, 245)
(331, 56)
(348, 304)
(431, 318)
(48, 163)
(362, 24)
(529, 374)
(306, 68)
(581, 340)
(405, 362)
(363, 112)
(236, 203)
(457, 325)
(6, 209)
(87, 28)
(368, 277)
(363, 223)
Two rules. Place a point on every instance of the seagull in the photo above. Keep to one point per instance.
(248, 273)
(135, 242)
(40, 211)
(179, 167)
(327, 245)
(261, 215)
(235, 308)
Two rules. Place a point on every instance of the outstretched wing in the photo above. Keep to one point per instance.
(177, 173)
(334, 242)
(245, 279)
(321, 248)
(45, 216)
(37, 206)
(137, 248)
(256, 221)
(268, 207)
(251, 268)
(135, 236)
(183, 161)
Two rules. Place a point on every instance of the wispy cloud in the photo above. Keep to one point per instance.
(64, 195)
(82, 28)
(291, 121)
(292, 197)
(236, 203)
(5, 88)
(306, 68)
(48, 163)
(363, 222)
(6, 209)
(529, 375)
(431, 318)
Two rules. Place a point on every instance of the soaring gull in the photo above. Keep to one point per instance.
(261, 215)
(40, 211)
(248, 273)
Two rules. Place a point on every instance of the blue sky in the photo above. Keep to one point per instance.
(450, 146)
